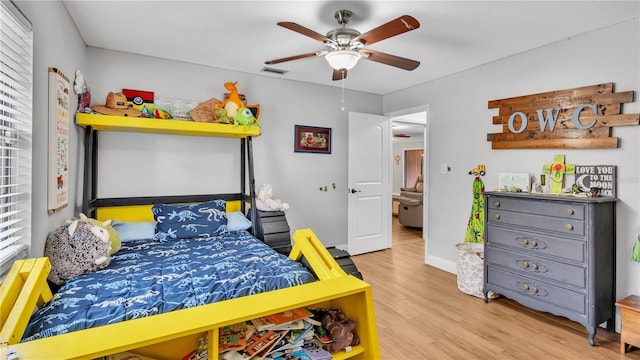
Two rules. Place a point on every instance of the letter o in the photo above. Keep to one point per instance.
(524, 122)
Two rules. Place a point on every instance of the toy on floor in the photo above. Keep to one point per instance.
(265, 201)
(75, 248)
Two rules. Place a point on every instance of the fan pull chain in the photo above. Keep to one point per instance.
(342, 99)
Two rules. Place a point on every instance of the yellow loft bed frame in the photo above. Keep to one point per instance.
(174, 334)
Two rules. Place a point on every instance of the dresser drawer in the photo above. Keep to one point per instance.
(563, 209)
(546, 296)
(537, 267)
(537, 244)
(550, 223)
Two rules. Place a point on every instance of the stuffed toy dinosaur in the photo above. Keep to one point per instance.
(75, 248)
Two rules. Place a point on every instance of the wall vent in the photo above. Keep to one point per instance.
(274, 70)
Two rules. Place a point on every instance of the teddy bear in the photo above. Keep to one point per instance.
(265, 202)
(339, 326)
(75, 248)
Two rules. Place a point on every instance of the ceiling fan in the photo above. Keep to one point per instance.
(345, 46)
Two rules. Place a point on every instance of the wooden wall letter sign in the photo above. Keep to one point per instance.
(578, 118)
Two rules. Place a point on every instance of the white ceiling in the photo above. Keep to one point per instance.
(242, 35)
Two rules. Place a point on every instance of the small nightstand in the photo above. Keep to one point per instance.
(630, 328)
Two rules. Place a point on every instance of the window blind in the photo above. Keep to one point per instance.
(16, 91)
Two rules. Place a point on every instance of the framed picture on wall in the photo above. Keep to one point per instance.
(312, 139)
(58, 165)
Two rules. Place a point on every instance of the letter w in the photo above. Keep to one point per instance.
(551, 118)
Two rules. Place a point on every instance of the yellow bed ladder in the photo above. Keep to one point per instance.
(24, 288)
(307, 245)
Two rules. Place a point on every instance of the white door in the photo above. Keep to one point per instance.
(369, 222)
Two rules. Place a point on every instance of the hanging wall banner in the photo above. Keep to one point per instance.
(58, 166)
(578, 118)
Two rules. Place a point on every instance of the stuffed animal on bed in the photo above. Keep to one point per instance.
(114, 237)
(76, 247)
(265, 202)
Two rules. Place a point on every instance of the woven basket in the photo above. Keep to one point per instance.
(470, 269)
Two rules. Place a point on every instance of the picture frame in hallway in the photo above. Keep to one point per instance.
(312, 139)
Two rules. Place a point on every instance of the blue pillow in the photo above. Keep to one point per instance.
(237, 221)
(190, 220)
(134, 230)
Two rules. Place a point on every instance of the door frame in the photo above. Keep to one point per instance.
(425, 167)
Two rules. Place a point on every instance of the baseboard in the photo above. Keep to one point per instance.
(442, 264)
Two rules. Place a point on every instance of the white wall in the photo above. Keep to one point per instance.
(56, 44)
(459, 121)
(137, 164)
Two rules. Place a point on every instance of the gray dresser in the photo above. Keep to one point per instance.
(553, 253)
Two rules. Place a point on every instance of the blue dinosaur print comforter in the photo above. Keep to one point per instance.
(148, 277)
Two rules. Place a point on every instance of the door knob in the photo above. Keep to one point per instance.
(353, 191)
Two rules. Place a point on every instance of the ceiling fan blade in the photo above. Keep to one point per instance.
(339, 74)
(304, 31)
(394, 27)
(295, 57)
(388, 59)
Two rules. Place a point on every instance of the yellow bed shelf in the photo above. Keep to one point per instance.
(174, 334)
(163, 126)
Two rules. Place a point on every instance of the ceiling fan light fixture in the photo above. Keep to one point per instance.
(343, 59)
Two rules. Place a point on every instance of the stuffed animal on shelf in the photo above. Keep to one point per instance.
(339, 326)
(265, 201)
(75, 248)
(245, 117)
(234, 103)
(221, 115)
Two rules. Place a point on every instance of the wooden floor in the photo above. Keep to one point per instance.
(421, 314)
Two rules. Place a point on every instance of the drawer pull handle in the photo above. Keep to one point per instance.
(569, 227)
(496, 204)
(497, 216)
(534, 243)
(534, 266)
(525, 264)
(534, 290)
(525, 242)
(570, 212)
(525, 287)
